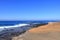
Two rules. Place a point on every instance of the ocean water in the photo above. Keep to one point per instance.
(10, 23)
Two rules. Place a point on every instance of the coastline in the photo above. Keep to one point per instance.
(50, 31)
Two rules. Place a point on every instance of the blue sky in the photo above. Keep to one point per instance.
(29, 9)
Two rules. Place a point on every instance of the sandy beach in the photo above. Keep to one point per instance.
(51, 31)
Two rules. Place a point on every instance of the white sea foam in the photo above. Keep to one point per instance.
(18, 25)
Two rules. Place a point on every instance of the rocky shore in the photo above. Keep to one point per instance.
(51, 31)
(46, 32)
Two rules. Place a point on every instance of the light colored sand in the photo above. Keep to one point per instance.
(47, 32)
(51, 27)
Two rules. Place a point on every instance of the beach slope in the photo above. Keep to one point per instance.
(51, 31)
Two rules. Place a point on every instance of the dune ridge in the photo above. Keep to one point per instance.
(51, 27)
(51, 31)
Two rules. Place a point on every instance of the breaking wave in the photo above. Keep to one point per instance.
(17, 25)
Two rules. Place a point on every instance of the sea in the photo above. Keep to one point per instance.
(11, 23)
